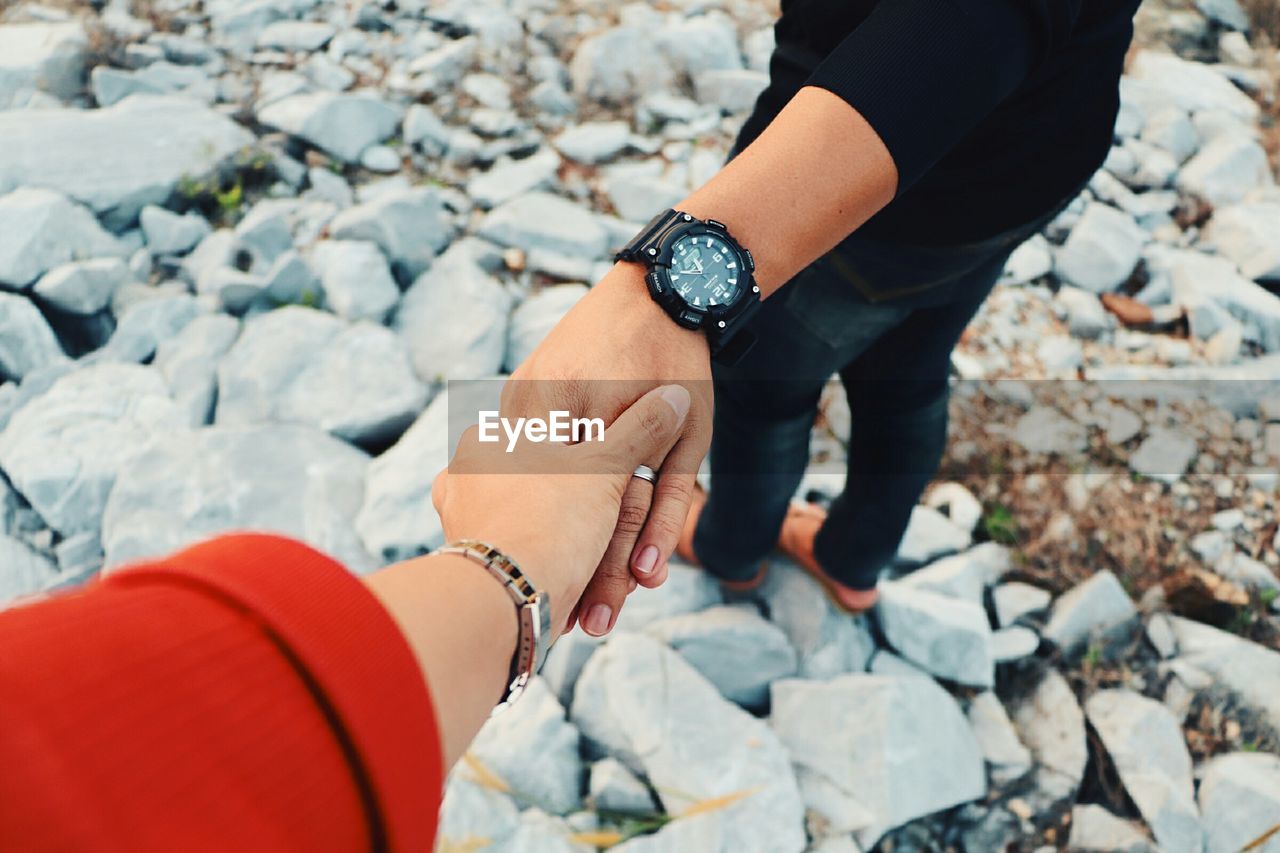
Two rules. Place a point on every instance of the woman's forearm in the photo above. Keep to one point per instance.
(815, 174)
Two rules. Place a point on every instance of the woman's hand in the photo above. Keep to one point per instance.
(553, 507)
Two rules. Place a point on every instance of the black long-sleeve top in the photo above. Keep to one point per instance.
(994, 111)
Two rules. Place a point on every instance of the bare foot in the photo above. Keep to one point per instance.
(799, 531)
(684, 547)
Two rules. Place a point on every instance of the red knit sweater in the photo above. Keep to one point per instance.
(245, 694)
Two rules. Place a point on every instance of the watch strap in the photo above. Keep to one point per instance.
(533, 611)
(650, 236)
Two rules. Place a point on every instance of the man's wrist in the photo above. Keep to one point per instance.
(628, 279)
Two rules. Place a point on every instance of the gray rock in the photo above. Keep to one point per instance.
(1248, 234)
(539, 832)
(1013, 643)
(410, 227)
(112, 85)
(1016, 599)
(304, 36)
(733, 90)
(142, 147)
(1032, 259)
(539, 220)
(1088, 611)
(1096, 830)
(736, 650)
(63, 449)
(472, 810)
(144, 325)
(535, 317)
(1189, 85)
(356, 280)
(455, 286)
(1086, 318)
(1228, 13)
(381, 158)
(27, 343)
(1227, 169)
(1170, 128)
(827, 641)
(1164, 455)
(947, 637)
(25, 571)
(640, 701)
(512, 178)
(299, 365)
(187, 485)
(396, 520)
(697, 832)
(619, 65)
(1059, 354)
(1102, 251)
(44, 229)
(958, 503)
(1240, 801)
(41, 56)
(82, 287)
(615, 788)
(1246, 572)
(930, 535)
(1004, 753)
(189, 363)
(567, 658)
(637, 189)
(1049, 721)
(1212, 292)
(965, 575)
(1146, 745)
(703, 43)
(879, 741)
(1247, 669)
(534, 750)
(686, 590)
(443, 67)
(594, 142)
(342, 125)
(1043, 429)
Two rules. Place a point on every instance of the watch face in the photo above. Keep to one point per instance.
(705, 270)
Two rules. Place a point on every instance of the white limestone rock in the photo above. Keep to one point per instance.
(1146, 745)
(1191, 86)
(880, 741)
(1240, 801)
(594, 142)
(645, 705)
(1016, 599)
(142, 148)
(1096, 830)
(299, 365)
(64, 448)
(355, 278)
(960, 505)
(25, 570)
(533, 749)
(189, 363)
(410, 226)
(947, 637)
(541, 221)
(43, 229)
(511, 178)
(1164, 455)
(1248, 234)
(457, 285)
(82, 287)
(827, 641)
(1006, 757)
(733, 90)
(47, 57)
(1249, 670)
(733, 647)
(1032, 259)
(27, 343)
(930, 535)
(1091, 610)
(1226, 170)
(965, 575)
(613, 787)
(396, 520)
(185, 486)
(1049, 721)
(1102, 251)
(340, 124)
(619, 65)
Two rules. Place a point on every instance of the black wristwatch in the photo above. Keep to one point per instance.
(701, 277)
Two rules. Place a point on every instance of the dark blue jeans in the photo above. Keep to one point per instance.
(885, 318)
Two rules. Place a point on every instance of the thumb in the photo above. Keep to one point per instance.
(648, 429)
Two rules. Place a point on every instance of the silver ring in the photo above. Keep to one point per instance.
(644, 472)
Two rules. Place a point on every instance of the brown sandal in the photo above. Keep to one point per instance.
(798, 545)
(684, 547)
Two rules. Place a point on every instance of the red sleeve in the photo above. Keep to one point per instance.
(246, 694)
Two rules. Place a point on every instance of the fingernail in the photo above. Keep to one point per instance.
(677, 396)
(596, 621)
(647, 559)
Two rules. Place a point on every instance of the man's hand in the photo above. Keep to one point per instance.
(615, 345)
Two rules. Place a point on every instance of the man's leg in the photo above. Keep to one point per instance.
(898, 394)
(764, 412)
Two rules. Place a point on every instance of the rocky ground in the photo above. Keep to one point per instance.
(243, 242)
